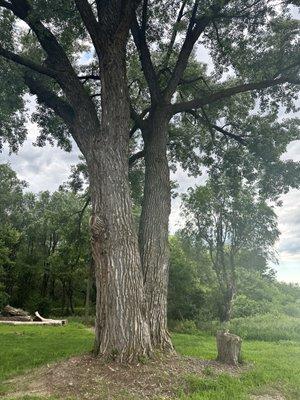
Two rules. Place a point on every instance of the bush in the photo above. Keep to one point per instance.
(269, 327)
(78, 311)
(293, 310)
(90, 321)
(243, 306)
(185, 326)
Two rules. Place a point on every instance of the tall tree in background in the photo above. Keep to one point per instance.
(43, 56)
(257, 43)
(229, 218)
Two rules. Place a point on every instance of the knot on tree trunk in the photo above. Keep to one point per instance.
(229, 348)
(98, 227)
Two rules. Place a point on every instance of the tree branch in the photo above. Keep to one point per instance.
(45, 96)
(136, 156)
(26, 62)
(229, 134)
(89, 77)
(225, 93)
(195, 29)
(56, 60)
(174, 33)
(145, 59)
(90, 22)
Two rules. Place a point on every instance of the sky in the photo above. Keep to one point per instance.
(46, 168)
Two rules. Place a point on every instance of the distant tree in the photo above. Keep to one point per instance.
(229, 219)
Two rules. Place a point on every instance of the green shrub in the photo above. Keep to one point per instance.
(78, 311)
(269, 327)
(90, 321)
(243, 306)
(293, 310)
(185, 326)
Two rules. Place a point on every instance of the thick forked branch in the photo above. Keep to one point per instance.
(23, 10)
(57, 60)
(195, 29)
(145, 59)
(237, 138)
(91, 24)
(228, 92)
(45, 96)
(9, 55)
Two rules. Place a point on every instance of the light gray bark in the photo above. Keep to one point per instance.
(229, 348)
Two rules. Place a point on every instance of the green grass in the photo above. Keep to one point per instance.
(25, 347)
(274, 365)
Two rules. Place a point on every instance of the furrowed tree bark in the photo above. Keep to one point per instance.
(122, 331)
(153, 231)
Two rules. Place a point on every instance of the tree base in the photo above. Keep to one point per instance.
(229, 348)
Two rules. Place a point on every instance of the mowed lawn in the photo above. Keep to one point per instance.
(25, 347)
(274, 367)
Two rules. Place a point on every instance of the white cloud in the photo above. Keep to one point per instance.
(44, 168)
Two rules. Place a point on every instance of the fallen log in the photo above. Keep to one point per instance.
(21, 318)
(40, 319)
(16, 316)
(51, 322)
(9, 311)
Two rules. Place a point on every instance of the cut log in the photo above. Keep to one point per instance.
(49, 322)
(39, 318)
(14, 312)
(21, 318)
(229, 348)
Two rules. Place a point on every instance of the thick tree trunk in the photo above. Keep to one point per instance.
(153, 232)
(122, 332)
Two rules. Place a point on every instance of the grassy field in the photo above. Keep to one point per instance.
(274, 366)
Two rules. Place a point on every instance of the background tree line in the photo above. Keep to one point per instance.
(46, 264)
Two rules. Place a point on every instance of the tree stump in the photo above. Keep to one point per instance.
(229, 348)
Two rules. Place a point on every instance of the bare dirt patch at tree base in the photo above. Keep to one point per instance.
(87, 377)
(275, 396)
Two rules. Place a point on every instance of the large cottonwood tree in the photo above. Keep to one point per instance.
(39, 46)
